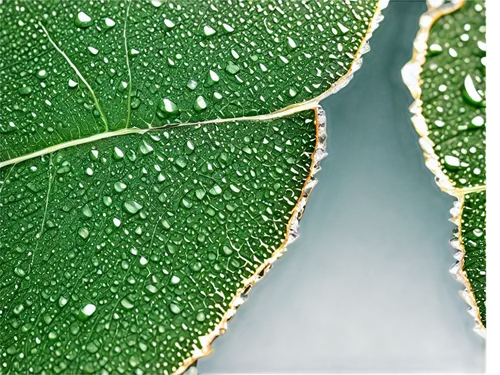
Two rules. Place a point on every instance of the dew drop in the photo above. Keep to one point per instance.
(132, 206)
(452, 161)
(200, 316)
(169, 107)
(107, 200)
(232, 68)
(169, 24)
(291, 43)
(200, 104)
(470, 92)
(87, 311)
(25, 90)
(175, 308)
(83, 20)
(192, 84)
(208, 31)
(119, 186)
(86, 211)
(83, 232)
(117, 153)
(62, 301)
(228, 28)
(42, 73)
(109, 23)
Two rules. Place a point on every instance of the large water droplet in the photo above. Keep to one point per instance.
(83, 20)
(169, 107)
(132, 206)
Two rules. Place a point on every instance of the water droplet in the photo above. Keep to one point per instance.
(200, 193)
(83, 20)
(291, 43)
(192, 84)
(175, 308)
(435, 49)
(107, 200)
(117, 153)
(232, 68)
(151, 289)
(169, 107)
(62, 301)
(214, 77)
(208, 30)
(127, 304)
(470, 92)
(200, 316)
(83, 232)
(87, 311)
(189, 147)
(92, 347)
(452, 161)
(109, 22)
(132, 206)
(200, 104)
(42, 73)
(169, 24)
(120, 186)
(227, 27)
(25, 90)
(215, 190)
(18, 309)
(478, 121)
(342, 28)
(87, 212)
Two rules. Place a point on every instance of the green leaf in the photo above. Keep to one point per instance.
(447, 77)
(155, 160)
(74, 69)
(473, 234)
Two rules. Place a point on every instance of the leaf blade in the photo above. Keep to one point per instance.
(446, 76)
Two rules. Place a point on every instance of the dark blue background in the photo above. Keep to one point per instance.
(366, 288)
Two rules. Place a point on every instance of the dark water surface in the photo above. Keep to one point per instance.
(366, 287)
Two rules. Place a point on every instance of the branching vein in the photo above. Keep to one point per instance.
(78, 73)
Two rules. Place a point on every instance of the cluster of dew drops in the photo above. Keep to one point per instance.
(464, 69)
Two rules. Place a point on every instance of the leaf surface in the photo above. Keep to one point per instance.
(75, 69)
(447, 76)
(155, 159)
